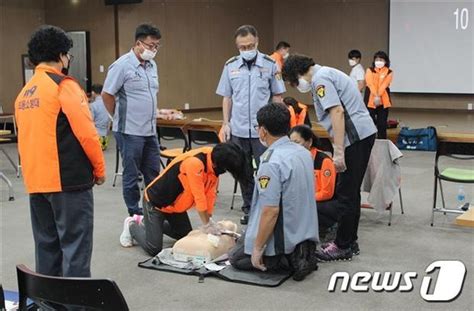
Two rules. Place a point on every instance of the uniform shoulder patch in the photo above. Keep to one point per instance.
(321, 91)
(269, 58)
(267, 155)
(263, 182)
(231, 60)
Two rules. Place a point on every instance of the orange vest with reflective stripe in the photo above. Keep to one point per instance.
(189, 180)
(57, 140)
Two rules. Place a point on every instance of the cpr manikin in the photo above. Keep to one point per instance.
(200, 247)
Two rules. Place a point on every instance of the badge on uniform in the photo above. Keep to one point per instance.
(278, 76)
(327, 173)
(263, 182)
(321, 91)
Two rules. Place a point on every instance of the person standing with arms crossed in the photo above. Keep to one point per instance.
(247, 83)
(133, 81)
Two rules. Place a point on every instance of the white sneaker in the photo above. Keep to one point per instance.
(126, 239)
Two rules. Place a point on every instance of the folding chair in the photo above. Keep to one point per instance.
(50, 292)
(169, 133)
(458, 151)
(9, 135)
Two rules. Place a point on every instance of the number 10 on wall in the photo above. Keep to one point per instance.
(462, 18)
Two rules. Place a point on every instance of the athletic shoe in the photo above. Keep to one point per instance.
(333, 253)
(354, 247)
(244, 220)
(126, 239)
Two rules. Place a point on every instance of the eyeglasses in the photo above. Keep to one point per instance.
(156, 46)
(71, 57)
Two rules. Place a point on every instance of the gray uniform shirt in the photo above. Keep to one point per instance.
(284, 179)
(135, 87)
(331, 87)
(100, 116)
(250, 90)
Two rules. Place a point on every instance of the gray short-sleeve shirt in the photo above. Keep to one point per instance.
(249, 90)
(331, 87)
(285, 180)
(135, 87)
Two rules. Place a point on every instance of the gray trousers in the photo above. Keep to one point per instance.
(254, 149)
(149, 234)
(62, 224)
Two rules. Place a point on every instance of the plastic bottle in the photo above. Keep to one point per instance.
(461, 196)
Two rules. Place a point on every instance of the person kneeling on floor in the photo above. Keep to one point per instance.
(324, 181)
(283, 224)
(191, 179)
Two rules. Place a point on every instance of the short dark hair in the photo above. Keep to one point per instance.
(275, 118)
(306, 133)
(354, 54)
(97, 88)
(296, 65)
(384, 56)
(282, 44)
(245, 30)
(47, 43)
(145, 30)
(231, 157)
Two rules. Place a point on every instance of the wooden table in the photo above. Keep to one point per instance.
(466, 219)
(318, 130)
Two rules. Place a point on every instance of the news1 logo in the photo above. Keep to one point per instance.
(447, 287)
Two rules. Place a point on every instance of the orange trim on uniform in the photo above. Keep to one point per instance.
(197, 180)
(325, 176)
(57, 140)
(297, 118)
(278, 59)
(378, 81)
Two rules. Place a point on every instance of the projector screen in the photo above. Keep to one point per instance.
(431, 46)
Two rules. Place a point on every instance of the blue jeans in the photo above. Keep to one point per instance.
(139, 154)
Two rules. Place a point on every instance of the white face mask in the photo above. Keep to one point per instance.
(303, 86)
(248, 55)
(379, 63)
(286, 55)
(352, 62)
(147, 55)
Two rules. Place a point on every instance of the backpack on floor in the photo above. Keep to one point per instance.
(417, 139)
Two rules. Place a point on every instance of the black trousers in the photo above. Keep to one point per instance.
(149, 234)
(239, 260)
(348, 190)
(328, 214)
(254, 149)
(62, 224)
(380, 117)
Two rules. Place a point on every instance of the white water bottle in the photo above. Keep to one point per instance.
(461, 197)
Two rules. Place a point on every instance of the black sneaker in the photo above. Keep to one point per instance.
(333, 253)
(244, 220)
(355, 248)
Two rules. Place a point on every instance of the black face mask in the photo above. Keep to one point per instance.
(65, 70)
(218, 171)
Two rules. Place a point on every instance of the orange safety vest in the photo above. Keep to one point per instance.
(57, 140)
(278, 59)
(189, 180)
(297, 118)
(378, 83)
(324, 175)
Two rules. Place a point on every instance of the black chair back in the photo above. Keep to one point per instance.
(92, 294)
(169, 133)
(202, 137)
